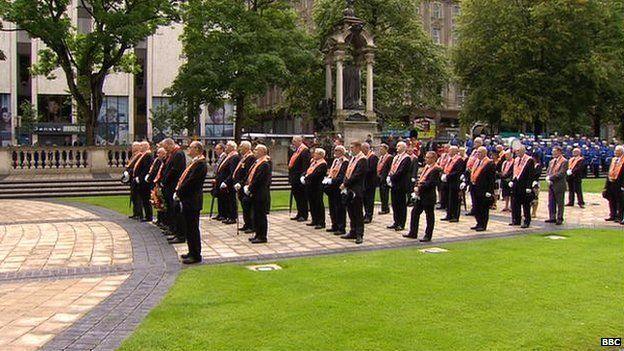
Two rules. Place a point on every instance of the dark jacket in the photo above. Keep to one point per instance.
(173, 170)
(356, 182)
(485, 182)
(427, 190)
(259, 187)
(157, 162)
(225, 173)
(454, 176)
(240, 175)
(414, 169)
(191, 192)
(314, 181)
(401, 178)
(385, 170)
(525, 180)
(337, 182)
(300, 167)
(142, 169)
(372, 180)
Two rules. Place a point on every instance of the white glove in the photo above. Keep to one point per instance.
(413, 180)
(344, 191)
(569, 172)
(147, 178)
(126, 174)
(302, 180)
(528, 191)
(462, 186)
(535, 184)
(237, 186)
(388, 180)
(463, 177)
(181, 207)
(246, 190)
(548, 178)
(510, 184)
(443, 178)
(414, 196)
(223, 185)
(488, 195)
(175, 197)
(125, 177)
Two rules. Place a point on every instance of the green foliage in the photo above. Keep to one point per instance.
(410, 70)
(29, 118)
(238, 49)
(559, 62)
(87, 58)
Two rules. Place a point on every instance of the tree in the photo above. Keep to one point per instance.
(236, 50)
(536, 62)
(410, 70)
(86, 59)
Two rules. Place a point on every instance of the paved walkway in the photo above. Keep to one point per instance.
(77, 277)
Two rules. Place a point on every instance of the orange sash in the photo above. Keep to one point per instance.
(574, 161)
(241, 163)
(506, 166)
(428, 169)
(229, 156)
(335, 168)
(472, 159)
(134, 159)
(382, 163)
(257, 164)
(555, 165)
(449, 166)
(476, 171)
(315, 164)
(295, 156)
(188, 169)
(352, 165)
(444, 159)
(519, 164)
(615, 168)
(138, 162)
(397, 162)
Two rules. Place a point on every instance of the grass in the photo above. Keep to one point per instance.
(520, 293)
(590, 185)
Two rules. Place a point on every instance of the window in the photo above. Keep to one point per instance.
(113, 121)
(219, 123)
(6, 126)
(436, 11)
(54, 108)
(456, 10)
(84, 20)
(436, 35)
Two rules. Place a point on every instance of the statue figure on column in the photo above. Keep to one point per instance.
(352, 87)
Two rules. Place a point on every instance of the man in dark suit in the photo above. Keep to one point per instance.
(482, 180)
(453, 171)
(383, 168)
(174, 166)
(224, 181)
(614, 186)
(143, 188)
(425, 197)
(152, 179)
(313, 182)
(240, 176)
(332, 183)
(398, 180)
(521, 185)
(297, 165)
(576, 166)
(189, 194)
(257, 188)
(371, 182)
(352, 190)
(413, 173)
(556, 179)
(128, 178)
(219, 151)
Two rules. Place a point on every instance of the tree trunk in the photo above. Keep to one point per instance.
(240, 117)
(595, 123)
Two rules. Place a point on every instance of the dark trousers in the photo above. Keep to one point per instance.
(473, 199)
(135, 199)
(337, 211)
(220, 205)
(144, 193)
(481, 208)
(369, 202)
(261, 224)
(317, 206)
(575, 187)
(443, 195)
(355, 209)
(616, 201)
(301, 201)
(520, 204)
(247, 212)
(231, 207)
(453, 204)
(399, 207)
(174, 220)
(193, 237)
(556, 204)
(418, 209)
(384, 196)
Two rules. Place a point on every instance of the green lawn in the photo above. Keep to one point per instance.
(520, 293)
(589, 185)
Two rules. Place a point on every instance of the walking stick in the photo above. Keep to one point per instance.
(211, 206)
(290, 201)
(237, 224)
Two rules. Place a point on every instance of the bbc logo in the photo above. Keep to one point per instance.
(610, 341)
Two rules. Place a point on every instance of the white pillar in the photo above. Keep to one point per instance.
(328, 79)
(202, 121)
(12, 57)
(369, 82)
(339, 83)
(149, 89)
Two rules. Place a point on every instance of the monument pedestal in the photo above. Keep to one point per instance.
(356, 125)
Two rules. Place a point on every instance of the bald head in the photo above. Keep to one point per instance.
(453, 150)
(482, 152)
(401, 147)
(261, 150)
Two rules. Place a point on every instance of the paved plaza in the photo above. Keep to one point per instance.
(76, 277)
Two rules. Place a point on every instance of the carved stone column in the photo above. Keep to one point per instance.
(370, 60)
(339, 57)
(328, 77)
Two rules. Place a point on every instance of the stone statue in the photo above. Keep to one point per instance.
(352, 87)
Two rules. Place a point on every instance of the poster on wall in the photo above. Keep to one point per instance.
(5, 120)
(426, 128)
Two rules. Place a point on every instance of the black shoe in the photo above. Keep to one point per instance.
(398, 229)
(249, 231)
(331, 230)
(134, 217)
(445, 219)
(258, 241)
(229, 221)
(367, 220)
(359, 240)
(176, 240)
(581, 206)
(301, 220)
(453, 220)
(383, 212)
(524, 226)
(474, 228)
(192, 260)
(320, 226)
(348, 236)
(243, 228)
(610, 219)
(184, 256)
(391, 226)
(425, 240)
(294, 219)
(470, 214)
(311, 224)
(410, 236)
(146, 220)
(559, 222)
(340, 232)
(218, 218)
(569, 205)
(480, 229)
(549, 221)
(622, 222)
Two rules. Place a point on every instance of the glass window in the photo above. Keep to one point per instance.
(5, 120)
(54, 108)
(113, 121)
(220, 121)
(437, 10)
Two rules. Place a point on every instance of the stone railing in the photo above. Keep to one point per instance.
(39, 158)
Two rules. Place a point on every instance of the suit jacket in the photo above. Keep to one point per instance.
(173, 170)
(525, 180)
(143, 169)
(385, 170)
(401, 178)
(337, 182)
(259, 187)
(240, 175)
(558, 178)
(372, 180)
(454, 176)
(300, 167)
(314, 181)
(157, 162)
(225, 173)
(485, 182)
(577, 171)
(356, 182)
(414, 168)
(191, 192)
(427, 190)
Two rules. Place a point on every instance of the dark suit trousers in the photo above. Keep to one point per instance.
(556, 204)
(429, 213)
(443, 195)
(520, 204)
(247, 212)
(301, 201)
(193, 237)
(453, 204)
(356, 216)
(145, 202)
(135, 199)
(337, 211)
(230, 204)
(317, 207)
(399, 207)
(369, 202)
(481, 208)
(220, 206)
(261, 224)
(575, 186)
(384, 196)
